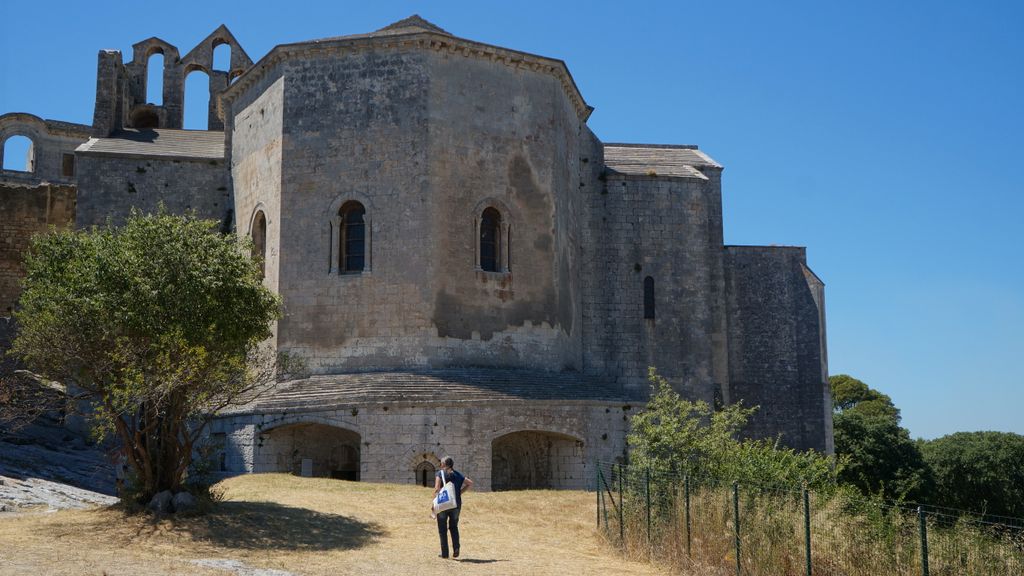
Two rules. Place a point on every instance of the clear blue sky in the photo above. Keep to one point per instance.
(887, 137)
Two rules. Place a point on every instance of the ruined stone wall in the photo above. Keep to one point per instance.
(110, 186)
(776, 352)
(395, 438)
(53, 148)
(27, 210)
(668, 229)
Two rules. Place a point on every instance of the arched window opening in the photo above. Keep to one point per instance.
(197, 101)
(352, 249)
(649, 298)
(155, 79)
(259, 242)
(222, 57)
(425, 474)
(490, 240)
(19, 154)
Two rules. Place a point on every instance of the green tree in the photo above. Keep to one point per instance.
(159, 322)
(880, 456)
(672, 435)
(979, 471)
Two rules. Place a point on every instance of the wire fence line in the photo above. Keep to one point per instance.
(708, 526)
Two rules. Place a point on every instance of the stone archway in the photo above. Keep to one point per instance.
(425, 474)
(310, 449)
(533, 459)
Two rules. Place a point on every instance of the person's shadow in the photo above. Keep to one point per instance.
(477, 561)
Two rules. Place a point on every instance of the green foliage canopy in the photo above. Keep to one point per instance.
(880, 456)
(159, 321)
(675, 436)
(979, 471)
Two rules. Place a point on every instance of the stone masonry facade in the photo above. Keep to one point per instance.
(466, 269)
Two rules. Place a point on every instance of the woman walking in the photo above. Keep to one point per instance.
(449, 519)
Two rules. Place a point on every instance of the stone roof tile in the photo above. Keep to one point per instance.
(159, 143)
(657, 160)
(444, 385)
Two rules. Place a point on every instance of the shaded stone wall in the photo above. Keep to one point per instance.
(670, 230)
(397, 437)
(27, 210)
(776, 345)
(110, 186)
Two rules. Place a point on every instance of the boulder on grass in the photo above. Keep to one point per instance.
(184, 502)
(161, 502)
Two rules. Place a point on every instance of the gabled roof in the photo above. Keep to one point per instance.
(679, 161)
(159, 143)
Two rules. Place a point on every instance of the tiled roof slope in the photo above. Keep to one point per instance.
(159, 143)
(657, 160)
(447, 385)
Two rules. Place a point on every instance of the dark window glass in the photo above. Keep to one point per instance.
(649, 297)
(353, 237)
(490, 229)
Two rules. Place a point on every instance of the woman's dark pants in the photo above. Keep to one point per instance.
(448, 520)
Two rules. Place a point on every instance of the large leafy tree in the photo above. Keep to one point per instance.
(979, 471)
(159, 322)
(675, 436)
(880, 456)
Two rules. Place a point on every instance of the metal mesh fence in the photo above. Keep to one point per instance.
(707, 526)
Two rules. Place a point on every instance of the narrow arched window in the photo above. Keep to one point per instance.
(259, 241)
(649, 298)
(490, 240)
(19, 154)
(352, 250)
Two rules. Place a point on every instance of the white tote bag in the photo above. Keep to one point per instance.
(445, 499)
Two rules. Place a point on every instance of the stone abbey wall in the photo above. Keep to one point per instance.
(609, 258)
(27, 210)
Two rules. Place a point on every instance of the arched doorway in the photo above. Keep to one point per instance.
(425, 474)
(310, 450)
(537, 460)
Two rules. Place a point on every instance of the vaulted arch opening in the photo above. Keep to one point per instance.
(537, 460)
(197, 101)
(155, 79)
(425, 472)
(222, 56)
(309, 449)
(19, 154)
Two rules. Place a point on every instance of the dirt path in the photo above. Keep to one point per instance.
(279, 525)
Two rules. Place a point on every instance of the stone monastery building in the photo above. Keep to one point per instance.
(466, 268)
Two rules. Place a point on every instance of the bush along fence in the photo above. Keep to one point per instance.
(707, 526)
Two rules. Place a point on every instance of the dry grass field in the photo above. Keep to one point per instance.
(309, 526)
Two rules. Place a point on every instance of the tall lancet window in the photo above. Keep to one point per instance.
(352, 251)
(490, 240)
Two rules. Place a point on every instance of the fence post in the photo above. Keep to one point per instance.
(923, 522)
(807, 527)
(686, 492)
(647, 490)
(597, 490)
(736, 523)
(604, 505)
(622, 520)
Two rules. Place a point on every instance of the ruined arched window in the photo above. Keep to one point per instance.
(425, 474)
(222, 57)
(19, 154)
(352, 248)
(490, 240)
(197, 101)
(155, 78)
(649, 298)
(259, 241)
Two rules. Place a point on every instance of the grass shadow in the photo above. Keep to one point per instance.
(267, 525)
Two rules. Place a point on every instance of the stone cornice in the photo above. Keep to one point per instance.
(418, 40)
